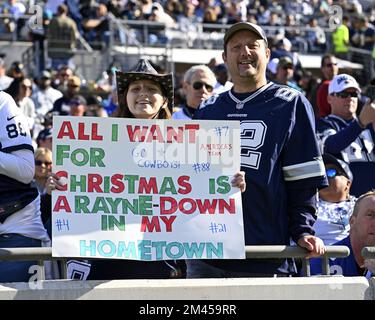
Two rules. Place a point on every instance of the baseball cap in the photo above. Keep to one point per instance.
(44, 134)
(46, 75)
(341, 82)
(77, 100)
(342, 165)
(244, 26)
(94, 100)
(285, 61)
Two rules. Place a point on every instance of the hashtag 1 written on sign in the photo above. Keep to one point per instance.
(146, 189)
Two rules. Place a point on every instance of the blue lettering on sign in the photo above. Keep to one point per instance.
(159, 164)
(61, 224)
(217, 227)
(221, 131)
(201, 167)
(136, 152)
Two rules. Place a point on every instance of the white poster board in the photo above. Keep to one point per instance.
(146, 189)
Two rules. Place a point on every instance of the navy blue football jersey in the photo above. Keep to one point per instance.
(14, 135)
(279, 150)
(356, 145)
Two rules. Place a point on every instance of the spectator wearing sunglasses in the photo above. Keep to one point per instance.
(43, 167)
(198, 85)
(335, 204)
(342, 133)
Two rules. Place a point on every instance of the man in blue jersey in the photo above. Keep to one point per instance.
(344, 134)
(348, 136)
(279, 154)
(20, 221)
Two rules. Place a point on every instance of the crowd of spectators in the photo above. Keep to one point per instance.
(281, 18)
(59, 91)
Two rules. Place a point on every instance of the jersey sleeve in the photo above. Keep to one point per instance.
(334, 141)
(303, 166)
(14, 129)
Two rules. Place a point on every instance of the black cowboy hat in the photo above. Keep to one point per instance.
(144, 71)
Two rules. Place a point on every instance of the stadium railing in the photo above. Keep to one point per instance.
(252, 252)
(368, 252)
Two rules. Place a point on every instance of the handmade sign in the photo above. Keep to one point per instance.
(146, 189)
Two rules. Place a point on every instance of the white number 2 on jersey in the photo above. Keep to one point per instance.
(253, 133)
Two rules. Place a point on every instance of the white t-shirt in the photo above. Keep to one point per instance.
(332, 224)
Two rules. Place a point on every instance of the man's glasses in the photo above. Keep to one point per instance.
(330, 65)
(331, 173)
(199, 85)
(40, 162)
(344, 94)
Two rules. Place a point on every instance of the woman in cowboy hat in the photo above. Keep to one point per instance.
(144, 93)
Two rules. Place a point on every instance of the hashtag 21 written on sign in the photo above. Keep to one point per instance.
(146, 189)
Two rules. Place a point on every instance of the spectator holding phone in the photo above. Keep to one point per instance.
(344, 134)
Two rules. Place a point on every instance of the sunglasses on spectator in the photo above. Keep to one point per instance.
(331, 173)
(40, 162)
(199, 85)
(330, 65)
(344, 94)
